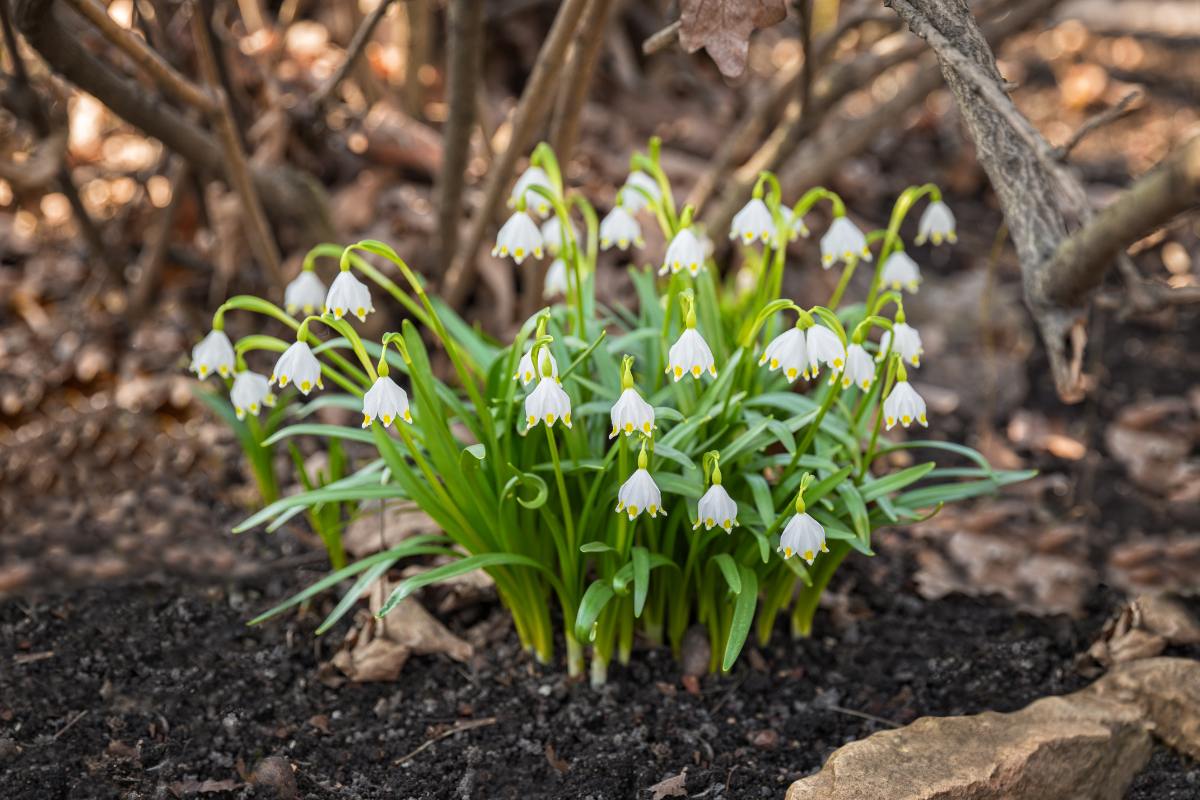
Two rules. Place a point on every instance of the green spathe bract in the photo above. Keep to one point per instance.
(529, 494)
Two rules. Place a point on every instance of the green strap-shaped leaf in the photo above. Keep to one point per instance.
(641, 578)
(743, 616)
(594, 600)
(729, 569)
(325, 431)
(879, 487)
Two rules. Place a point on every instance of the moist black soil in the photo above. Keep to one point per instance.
(158, 691)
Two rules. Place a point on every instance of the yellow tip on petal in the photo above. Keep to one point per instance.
(366, 423)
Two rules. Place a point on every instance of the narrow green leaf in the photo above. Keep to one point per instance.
(594, 600)
(453, 570)
(729, 569)
(743, 616)
(322, 430)
(641, 578)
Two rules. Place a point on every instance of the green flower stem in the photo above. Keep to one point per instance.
(831, 395)
(891, 241)
(888, 383)
(342, 327)
(822, 571)
(570, 254)
(835, 299)
(568, 518)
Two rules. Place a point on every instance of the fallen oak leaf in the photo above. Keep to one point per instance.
(723, 28)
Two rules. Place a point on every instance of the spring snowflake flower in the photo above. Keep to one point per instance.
(860, 368)
(534, 176)
(900, 271)
(556, 280)
(250, 393)
(936, 225)
(904, 405)
(519, 238)
(631, 413)
(794, 224)
(640, 493)
(686, 251)
(690, 354)
(843, 242)
(552, 235)
(620, 228)
(754, 221)
(803, 536)
(716, 507)
(385, 401)
(824, 346)
(637, 186)
(525, 371)
(787, 352)
(348, 295)
(908, 343)
(305, 293)
(298, 365)
(548, 403)
(213, 353)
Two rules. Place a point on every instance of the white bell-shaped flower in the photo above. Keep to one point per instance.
(690, 355)
(803, 536)
(754, 221)
(555, 284)
(552, 235)
(686, 251)
(298, 365)
(793, 224)
(900, 271)
(907, 344)
(824, 346)
(305, 293)
(519, 238)
(905, 406)
(787, 352)
(631, 414)
(860, 368)
(385, 401)
(843, 242)
(525, 371)
(348, 295)
(250, 393)
(213, 354)
(537, 202)
(937, 225)
(548, 403)
(634, 193)
(620, 228)
(716, 507)
(640, 493)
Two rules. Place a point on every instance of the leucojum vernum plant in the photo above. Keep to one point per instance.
(639, 470)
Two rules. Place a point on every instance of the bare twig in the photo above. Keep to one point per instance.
(416, 54)
(164, 75)
(78, 715)
(864, 715)
(461, 727)
(662, 39)
(355, 49)
(589, 39)
(158, 237)
(237, 168)
(1096, 122)
(288, 193)
(465, 33)
(531, 109)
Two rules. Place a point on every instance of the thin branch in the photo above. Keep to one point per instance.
(465, 33)
(1096, 122)
(662, 39)
(1079, 263)
(237, 168)
(288, 193)
(530, 111)
(589, 39)
(355, 49)
(157, 239)
(416, 54)
(468, 725)
(164, 75)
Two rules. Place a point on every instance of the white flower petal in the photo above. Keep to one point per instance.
(519, 238)
(213, 355)
(690, 355)
(348, 295)
(305, 293)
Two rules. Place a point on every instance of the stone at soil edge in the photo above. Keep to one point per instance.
(1082, 746)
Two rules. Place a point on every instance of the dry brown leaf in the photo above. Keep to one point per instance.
(674, 786)
(723, 28)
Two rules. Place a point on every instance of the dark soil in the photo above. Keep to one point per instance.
(152, 690)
